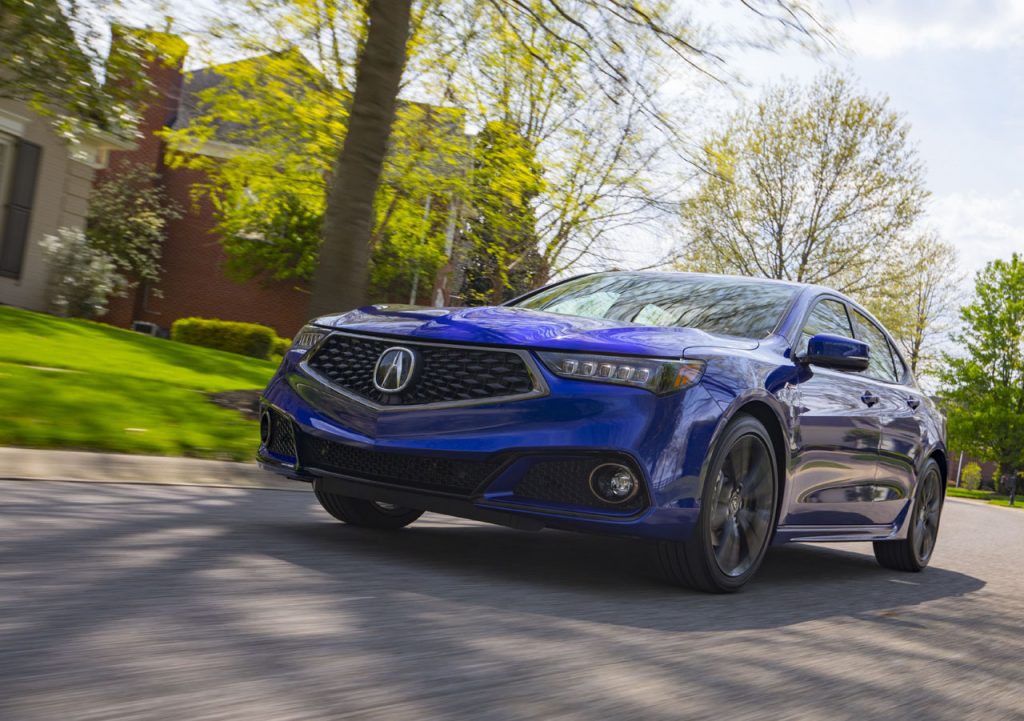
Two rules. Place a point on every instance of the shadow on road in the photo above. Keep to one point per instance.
(797, 582)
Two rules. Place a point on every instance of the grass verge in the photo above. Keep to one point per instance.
(988, 496)
(75, 384)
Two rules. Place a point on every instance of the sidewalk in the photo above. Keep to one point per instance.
(30, 464)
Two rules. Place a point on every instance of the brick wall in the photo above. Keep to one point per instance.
(194, 282)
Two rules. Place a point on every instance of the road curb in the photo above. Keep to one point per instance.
(26, 464)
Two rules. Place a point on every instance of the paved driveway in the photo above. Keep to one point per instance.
(133, 601)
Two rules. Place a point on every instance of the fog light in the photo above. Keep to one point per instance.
(265, 427)
(613, 483)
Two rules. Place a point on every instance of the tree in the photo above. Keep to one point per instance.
(984, 387)
(501, 225)
(53, 52)
(341, 275)
(601, 29)
(127, 220)
(917, 303)
(814, 184)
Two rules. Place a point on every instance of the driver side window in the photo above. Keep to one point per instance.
(828, 316)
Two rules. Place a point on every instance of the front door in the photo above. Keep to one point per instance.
(837, 433)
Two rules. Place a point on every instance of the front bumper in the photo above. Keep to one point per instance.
(407, 456)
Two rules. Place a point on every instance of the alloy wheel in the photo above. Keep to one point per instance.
(744, 503)
(926, 528)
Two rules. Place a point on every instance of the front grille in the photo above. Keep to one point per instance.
(430, 473)
(282, 436)
(444, 373)
(567, 481)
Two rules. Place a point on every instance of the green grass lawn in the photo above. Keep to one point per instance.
(985, 496)
(82, 385)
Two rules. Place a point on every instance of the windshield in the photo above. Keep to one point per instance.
(744, 307)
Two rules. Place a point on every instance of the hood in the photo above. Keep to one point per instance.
(523, 328)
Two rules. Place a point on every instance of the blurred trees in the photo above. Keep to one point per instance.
(820, 184)
(983, 388)
(579, 81)
(53, 52)
(127, 220)
(812, 184)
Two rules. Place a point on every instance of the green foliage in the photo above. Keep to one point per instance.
(814, 184)
(280, 346)
(918, 302)
(285, 122)
(53, 51)
(984, 387)
(82, 277)
(251, 339)
(127, 220)
(970, 477)
(501, 223)
(108, 389)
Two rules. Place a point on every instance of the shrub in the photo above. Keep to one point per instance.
(82, 277)
(249, 339)
(970, 478)
(281, 346)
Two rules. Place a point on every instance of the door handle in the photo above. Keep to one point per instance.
(913, 403)
(869, 398)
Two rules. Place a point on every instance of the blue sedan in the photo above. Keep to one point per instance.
(712, 415)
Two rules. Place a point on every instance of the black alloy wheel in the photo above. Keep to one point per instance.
(737, 518)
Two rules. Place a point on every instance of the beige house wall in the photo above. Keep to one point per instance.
(61, 199)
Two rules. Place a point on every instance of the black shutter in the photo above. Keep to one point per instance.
(19, 208)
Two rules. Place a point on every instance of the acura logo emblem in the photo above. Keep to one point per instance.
(394, 369)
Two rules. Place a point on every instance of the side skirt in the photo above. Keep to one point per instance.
(836, 534)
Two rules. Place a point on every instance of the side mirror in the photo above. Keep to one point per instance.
(833, 351)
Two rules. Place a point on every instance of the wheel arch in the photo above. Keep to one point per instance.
(765, 409)
(939, 455)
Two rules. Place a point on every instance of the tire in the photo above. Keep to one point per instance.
(366, 514)
(737, 515)
(915, 551)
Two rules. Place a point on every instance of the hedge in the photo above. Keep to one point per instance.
(281, 346)
(249, 339)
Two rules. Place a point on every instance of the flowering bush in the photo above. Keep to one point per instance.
(82, 278)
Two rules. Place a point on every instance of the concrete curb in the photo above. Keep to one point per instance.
(24, 464)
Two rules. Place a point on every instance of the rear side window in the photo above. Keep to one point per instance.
(828, 316)
(880, 357)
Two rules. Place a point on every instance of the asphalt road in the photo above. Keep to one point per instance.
(156, 602)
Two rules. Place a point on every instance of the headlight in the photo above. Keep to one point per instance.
(657, 376)
(308, 337)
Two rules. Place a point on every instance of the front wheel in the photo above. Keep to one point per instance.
(914, 552)
(366, 514)
(737, 514)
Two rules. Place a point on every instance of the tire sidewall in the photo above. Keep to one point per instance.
(929, 466)
(738, 428)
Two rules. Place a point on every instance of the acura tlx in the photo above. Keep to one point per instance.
(711, 415)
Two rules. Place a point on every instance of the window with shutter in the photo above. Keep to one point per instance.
(18, 196)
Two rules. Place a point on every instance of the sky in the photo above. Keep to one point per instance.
(955, 69)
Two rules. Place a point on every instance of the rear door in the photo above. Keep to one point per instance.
(836, 432)
(898, 415)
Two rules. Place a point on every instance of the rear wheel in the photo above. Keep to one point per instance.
(366, 514)
(914, 552)
(737, 514)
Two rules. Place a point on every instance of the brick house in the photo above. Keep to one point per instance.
(193, 282)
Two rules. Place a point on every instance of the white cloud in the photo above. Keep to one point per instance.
(982, 227)
(887, 29)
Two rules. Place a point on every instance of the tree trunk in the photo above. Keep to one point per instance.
(340, 279)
